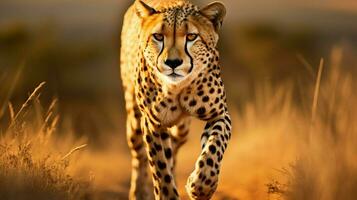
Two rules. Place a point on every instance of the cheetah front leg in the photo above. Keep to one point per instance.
(159, 151)
(139, 184)
(203, 181)
(179, 134)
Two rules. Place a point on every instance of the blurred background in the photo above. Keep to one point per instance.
(73, 45)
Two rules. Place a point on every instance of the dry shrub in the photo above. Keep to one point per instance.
(30, 165)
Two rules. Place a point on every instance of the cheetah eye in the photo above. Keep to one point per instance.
(159, 37)
(191, 37)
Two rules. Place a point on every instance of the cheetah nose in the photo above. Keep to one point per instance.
(173, 63)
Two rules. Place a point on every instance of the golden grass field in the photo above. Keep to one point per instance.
(283, 146)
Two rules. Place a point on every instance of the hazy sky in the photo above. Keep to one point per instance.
(103, 15)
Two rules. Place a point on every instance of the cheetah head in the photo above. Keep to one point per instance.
(178, 41)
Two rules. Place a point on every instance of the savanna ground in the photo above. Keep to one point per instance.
(294, 114)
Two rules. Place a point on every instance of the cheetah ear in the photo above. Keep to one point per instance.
(143, 10)
(215, 12)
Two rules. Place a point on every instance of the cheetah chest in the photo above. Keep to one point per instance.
(168, 111)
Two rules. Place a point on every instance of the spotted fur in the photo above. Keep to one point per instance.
(171, 71)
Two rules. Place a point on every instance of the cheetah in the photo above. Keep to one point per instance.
(170, 72)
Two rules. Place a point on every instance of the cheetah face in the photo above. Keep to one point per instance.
(169, 51)
(178, 40)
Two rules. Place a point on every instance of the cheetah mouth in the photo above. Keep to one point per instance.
(174, 75)
(172, 78)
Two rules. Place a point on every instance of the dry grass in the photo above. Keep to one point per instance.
(286, 151)
(30, 167)
(282, 148)
(327, 166)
